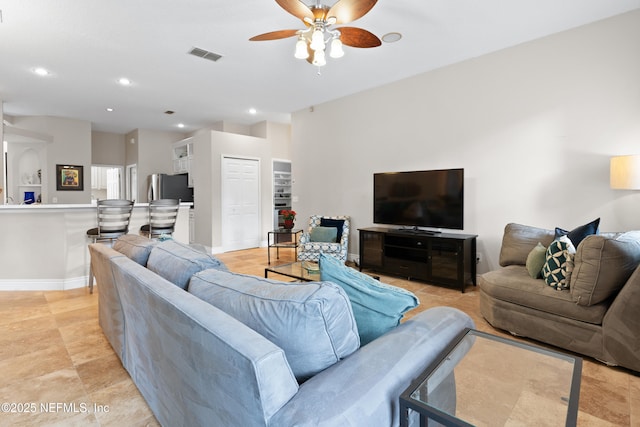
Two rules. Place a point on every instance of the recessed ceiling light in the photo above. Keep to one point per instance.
(253, 111)
(109, 109)
(41, 71)
(124, 81)
(180, 125)
(391, 37)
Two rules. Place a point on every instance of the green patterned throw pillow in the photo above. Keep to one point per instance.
(559, 263)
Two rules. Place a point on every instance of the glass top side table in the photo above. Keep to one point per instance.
(498, 382)
(282, 238)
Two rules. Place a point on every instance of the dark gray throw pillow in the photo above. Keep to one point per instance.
(578, 234)
(337, 223)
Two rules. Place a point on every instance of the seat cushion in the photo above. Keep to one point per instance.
(377, 307)
(135, 247)
(312, 322)
(177, 262)
(602, 266)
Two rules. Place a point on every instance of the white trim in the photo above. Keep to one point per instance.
(43, 284)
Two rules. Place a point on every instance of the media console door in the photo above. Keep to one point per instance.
(442, 258)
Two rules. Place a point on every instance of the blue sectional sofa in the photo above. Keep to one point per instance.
(209, 347)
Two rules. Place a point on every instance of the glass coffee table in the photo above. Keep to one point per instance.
(300, 270)
(498, 382)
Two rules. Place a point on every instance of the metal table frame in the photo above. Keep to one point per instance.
(273, 241)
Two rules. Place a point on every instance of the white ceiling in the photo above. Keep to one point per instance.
(89, 44)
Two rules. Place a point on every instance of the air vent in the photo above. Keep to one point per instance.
(196, 51)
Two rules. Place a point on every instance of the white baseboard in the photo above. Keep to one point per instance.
(43, 284)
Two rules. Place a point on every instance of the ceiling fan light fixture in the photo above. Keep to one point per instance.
(317, 39)
(301, 48)
(319, 20)
(336, 48)
(319, 60)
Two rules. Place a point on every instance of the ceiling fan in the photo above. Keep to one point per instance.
(319, 19)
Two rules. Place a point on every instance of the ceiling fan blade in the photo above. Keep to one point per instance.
(274, 35)
(357, 37)
(346, 11)
(296, 8)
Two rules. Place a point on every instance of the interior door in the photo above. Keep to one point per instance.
(240, 203)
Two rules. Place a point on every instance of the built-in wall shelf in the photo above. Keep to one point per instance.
(182, 153)
(26, 171)
(282, 182)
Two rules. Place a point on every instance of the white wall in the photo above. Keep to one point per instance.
(71, 146)
(533, 126)
(2, 174)
(108, 148)
(209, 148)
(154, 156)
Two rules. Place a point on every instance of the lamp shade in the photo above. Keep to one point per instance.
(625, 172)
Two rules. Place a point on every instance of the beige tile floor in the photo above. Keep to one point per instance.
(57, 368)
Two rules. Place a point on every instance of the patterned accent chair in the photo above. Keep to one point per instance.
(309, 250)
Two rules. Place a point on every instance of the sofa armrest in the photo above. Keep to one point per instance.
(110, 314)
(621, 325)
(304, 238)
(364, 389)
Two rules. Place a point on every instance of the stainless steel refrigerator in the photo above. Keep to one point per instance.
(164, 186)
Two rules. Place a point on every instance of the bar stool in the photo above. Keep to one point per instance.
(162, 218)
(113, 221)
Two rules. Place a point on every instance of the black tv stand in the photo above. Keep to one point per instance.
(434, 257)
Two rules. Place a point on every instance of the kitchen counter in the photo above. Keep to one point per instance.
(44, 247)
(71, 206)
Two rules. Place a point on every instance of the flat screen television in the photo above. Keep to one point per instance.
(430, 198)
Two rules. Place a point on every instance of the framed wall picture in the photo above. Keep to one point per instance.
(69, 178)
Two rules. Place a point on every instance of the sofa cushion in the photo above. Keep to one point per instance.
(536, 260)
(177, 262)
(558, 263)
(518, 241)
(323, 234)
(312, 322)
(135, 247)
(377, 307)
(603, 265)
(579, 233)
(513, 284)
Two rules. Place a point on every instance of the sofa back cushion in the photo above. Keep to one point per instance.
(519, 240)
(602, 266)
(135, 247)
(312, 322)
(177, 262)
(194, 364)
